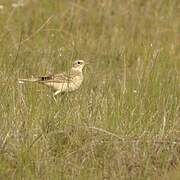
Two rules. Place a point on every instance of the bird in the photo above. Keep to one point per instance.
(62, 82)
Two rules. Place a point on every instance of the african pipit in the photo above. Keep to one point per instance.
(63, 82)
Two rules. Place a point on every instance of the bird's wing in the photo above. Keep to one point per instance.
(59, 78)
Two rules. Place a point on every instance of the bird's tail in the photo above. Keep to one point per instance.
(21, 81)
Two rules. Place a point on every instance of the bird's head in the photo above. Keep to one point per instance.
(78, 65)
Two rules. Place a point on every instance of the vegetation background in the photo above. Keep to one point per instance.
(124, 121)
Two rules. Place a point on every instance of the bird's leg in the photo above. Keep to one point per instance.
(54, 98)
(55, 94)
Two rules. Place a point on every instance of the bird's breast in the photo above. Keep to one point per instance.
(67, 86)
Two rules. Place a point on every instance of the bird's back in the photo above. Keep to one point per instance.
(64, 82)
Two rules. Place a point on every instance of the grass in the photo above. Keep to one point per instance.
(123, 123)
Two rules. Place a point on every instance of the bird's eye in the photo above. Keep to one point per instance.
(79, 62)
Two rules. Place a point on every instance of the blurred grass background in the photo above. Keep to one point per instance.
(124, 121)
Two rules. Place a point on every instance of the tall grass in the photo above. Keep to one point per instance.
(124, 121)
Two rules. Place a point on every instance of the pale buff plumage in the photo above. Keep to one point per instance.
(63, 82)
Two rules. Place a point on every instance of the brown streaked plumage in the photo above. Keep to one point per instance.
(63, 82)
